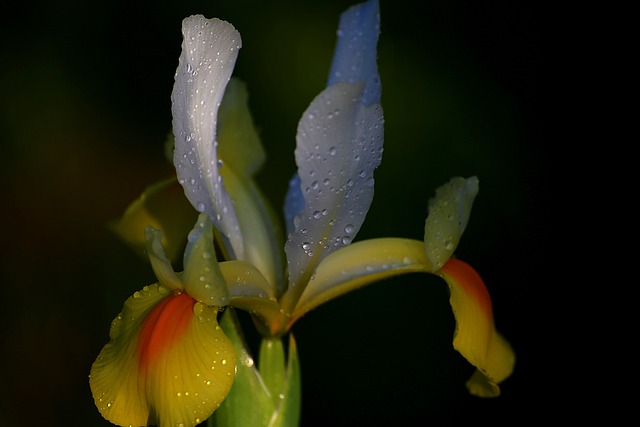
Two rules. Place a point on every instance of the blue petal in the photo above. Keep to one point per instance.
(355, 55)
(293, 203)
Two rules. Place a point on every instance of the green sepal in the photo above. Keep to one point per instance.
(271, 364)
(264, 396)
(288, 413)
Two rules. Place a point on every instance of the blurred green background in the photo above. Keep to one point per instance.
(84, 114)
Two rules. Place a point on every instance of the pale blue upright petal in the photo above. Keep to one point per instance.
(354, 59)
(339, 144)
(209, 51)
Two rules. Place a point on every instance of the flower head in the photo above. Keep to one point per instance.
(167, 342)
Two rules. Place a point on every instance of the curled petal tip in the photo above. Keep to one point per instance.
(476, 337)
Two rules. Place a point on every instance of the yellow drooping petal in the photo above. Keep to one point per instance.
(168, 362)
(476, 337)
(164, 207)
(359, 264)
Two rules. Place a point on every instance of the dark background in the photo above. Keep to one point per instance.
(84, 114)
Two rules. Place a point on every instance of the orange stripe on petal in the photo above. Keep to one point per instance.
(470, 281)
(164, 325)
(476, 337)
(115, 377)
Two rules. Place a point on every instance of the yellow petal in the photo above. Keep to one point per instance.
(476, 337)
(164, 207)
(360, 264)
(160, 264)
(168, 362)
(243, 279)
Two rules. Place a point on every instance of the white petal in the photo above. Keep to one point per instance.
(355, 55)
(209, 51)
(339, 144)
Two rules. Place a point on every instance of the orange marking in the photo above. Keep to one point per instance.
(469, 279)
(164, 325)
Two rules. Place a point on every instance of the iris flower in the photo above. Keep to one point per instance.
(168, 361)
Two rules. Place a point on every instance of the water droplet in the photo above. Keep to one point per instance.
(349, 229)
(198, 307)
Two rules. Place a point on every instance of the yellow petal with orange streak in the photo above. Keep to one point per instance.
(475, 336)
(168, 362)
